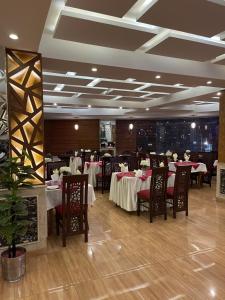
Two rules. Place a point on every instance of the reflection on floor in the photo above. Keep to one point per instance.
(129, 258)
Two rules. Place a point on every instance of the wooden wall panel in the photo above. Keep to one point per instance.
(221, 150)
(124, 140)
(60, 136)
(25, 108)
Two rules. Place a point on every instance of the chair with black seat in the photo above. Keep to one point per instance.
(50, 166)
(105, 176)
(178, 195)
(72, 215)
(154, 161)
(154, 198)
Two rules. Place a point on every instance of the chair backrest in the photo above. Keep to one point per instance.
(154, 161)
(107, 166)
(52, 166)
(158, 188)
(164, 159)
(181, 187)
(74, 201)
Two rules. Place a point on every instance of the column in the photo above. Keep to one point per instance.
(220, 189)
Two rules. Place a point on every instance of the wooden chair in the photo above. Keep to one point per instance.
(72, 215)
(154, 161)
(52, 166)
(178, 196)
(163, 159)
(154, 198)
(105, 176)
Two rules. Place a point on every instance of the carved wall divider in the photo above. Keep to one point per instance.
(25, 108)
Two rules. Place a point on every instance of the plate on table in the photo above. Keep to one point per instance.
(52, 187)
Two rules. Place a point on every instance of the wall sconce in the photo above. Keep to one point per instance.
(76, 126)
(131, 127)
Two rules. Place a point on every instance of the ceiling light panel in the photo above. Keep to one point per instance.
(95, 33)
(65, 80)
(187, 15)
(185, 49)
(115, 8)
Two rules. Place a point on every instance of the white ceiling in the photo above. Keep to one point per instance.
(129, 54)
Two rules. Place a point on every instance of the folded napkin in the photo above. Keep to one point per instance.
(55, 177)
(122, 174)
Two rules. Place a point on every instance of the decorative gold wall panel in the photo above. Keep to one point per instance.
(25, 108)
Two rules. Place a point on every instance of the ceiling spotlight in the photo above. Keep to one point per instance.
(209, 82)
(193, 125)
(147, 108)
(89, 106)
(94, 69)
(76, 126)
(70, 73)
(121, 107)
(55, 104)
(219, 94)
(130, 79)
(13, 36)
(158, 76)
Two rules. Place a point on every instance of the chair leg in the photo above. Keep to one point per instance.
(103, 185)
(63, 236)
(138, 207)
(86, 228)
(57, 224)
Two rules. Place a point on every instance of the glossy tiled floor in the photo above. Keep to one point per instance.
(129, 258)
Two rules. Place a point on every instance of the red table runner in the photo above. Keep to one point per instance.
(187, 163)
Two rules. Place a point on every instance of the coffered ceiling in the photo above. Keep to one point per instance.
(115, 59)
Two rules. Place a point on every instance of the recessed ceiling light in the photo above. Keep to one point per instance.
(59, 87)
(147, 108)
(13, 36)
(89, 105)
(71, 73)
(219, 94)
(121, 107)
(209, 82)
(94, 69)
(158, 76)
(130, 79)
(55, 104)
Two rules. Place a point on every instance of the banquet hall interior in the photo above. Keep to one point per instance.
(112, 149)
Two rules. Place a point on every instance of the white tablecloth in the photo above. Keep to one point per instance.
(75, 162)
(124, 191)
(54, 197)
(92, 170)
(201, 168)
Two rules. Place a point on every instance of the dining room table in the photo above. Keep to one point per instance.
(53, 195)
(196, 167)
(92, 169)
(125, 186)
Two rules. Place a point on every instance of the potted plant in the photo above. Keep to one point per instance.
(13, 213)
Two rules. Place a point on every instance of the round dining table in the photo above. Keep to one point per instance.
(123, 191)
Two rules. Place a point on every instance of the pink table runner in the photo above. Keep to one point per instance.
(187, 163)
(96, 163)
(131, 174)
